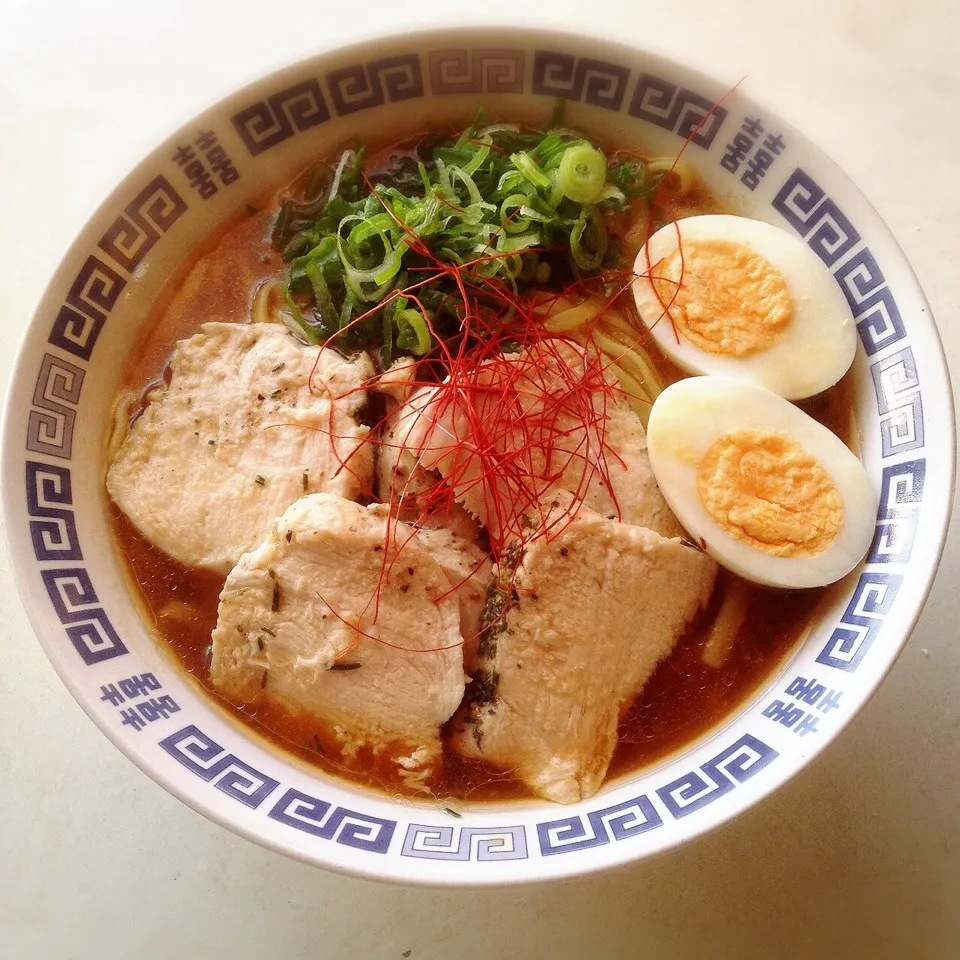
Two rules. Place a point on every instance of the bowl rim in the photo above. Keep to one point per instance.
(524, 33)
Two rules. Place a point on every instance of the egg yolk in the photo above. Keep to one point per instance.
(726, 299)
(764, 489)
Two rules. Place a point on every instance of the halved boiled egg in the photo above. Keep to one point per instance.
(769, 492)
(740, 298)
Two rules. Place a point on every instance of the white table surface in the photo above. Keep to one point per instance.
(859, 856)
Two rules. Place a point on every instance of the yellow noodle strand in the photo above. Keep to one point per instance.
(260, 311)
(551, 306)
(633, 390)
(573, 317)
(121, 423)
(726, 625)
(686, 178)
(631, 357)
(619, 331)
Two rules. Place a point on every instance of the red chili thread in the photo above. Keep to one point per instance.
(517, 426)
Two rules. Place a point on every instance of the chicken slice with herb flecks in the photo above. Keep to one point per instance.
(288, 620)
(412, 494)
(469, 571)
(560, 439)
(416, 494)
(235, 436)
(575, 626)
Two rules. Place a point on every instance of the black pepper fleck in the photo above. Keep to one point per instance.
(275, 602)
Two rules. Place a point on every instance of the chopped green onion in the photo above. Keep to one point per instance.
(504, 203)
(386, 351)
(588, 240)
(412, 332)
(582, 174)
(528, 167)
(296, 322)
(321, 292)
(481, 154)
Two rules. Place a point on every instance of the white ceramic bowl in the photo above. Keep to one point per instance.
(58, 412)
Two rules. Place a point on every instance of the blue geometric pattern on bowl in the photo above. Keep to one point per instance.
(432, 842)
(312, 815)
(298, 108)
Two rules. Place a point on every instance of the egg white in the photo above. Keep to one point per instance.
(811, 353)
(692, 414)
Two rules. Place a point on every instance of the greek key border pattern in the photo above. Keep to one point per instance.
(77, 606)
(818, 219)
(477, 70)
(266, 123)
(861, 621)
(447, 842)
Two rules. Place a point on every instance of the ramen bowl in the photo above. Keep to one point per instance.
(58, 415)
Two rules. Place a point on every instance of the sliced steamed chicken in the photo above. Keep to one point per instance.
(402, 480)
(399, 380)
(287, 630)
(236, 436)
(444, 525)
(575, 628)
(469, 570)
(530, 430)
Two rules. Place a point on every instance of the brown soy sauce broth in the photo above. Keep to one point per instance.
(683, 700)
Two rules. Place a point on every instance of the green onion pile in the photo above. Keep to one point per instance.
(515, 209)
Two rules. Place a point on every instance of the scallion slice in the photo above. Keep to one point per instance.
(582, 174)
(413, 334)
